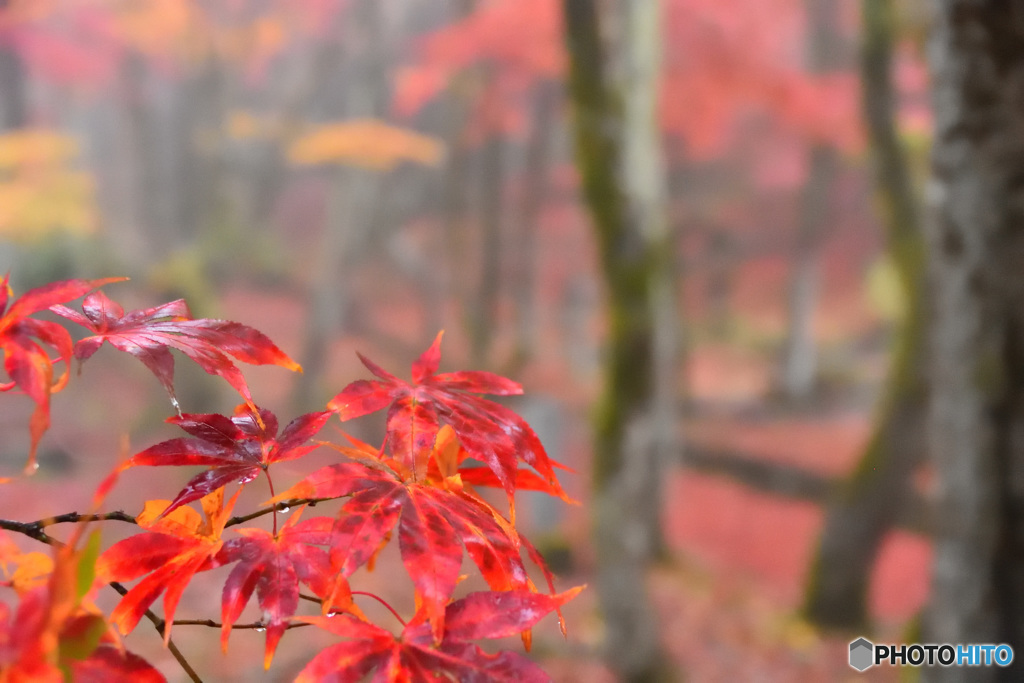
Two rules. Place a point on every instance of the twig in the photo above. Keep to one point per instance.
(161, 625)
(35, 529)
(277, 507)
(256, 625)
(32, 530)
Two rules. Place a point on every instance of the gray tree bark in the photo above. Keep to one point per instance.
(617, 152)
(353, 196)
(800, 354)
(484, 308)
(535, 179)
(975, 236)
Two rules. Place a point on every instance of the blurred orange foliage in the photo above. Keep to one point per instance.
(366, 143)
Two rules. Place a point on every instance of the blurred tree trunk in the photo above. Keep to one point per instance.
(13, 109)
(451, 250)
(531, 205)
(352, 197)
(484, 308)
(140, 240)
(975, 236)
(871, 500)
(13, 105)
(199, 173)
(617, 152)
(800, 355)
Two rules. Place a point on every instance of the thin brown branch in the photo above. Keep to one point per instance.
(32, 530)
(74, 517)
(35, 529)
(277, 507)
(160, 626)
(255, 626)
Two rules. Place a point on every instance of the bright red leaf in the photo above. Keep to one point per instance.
(431, 523)
(149, 335)
(487, 430)
(368, 648)
(108, 664)
(235, 448)
(23, 342)
(273, 565)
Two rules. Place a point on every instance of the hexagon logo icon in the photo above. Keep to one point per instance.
(862, 653)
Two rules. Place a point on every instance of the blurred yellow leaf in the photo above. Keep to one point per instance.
(33, 570)
(22, 571)
(41, 191)
(366, 143)
(240, 124)
(884, 289)
(35, 146)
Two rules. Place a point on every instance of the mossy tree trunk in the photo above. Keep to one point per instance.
(975, 237)
(621, 174)
(871, 500)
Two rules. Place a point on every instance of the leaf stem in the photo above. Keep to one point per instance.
(270, 482)
(383, 602)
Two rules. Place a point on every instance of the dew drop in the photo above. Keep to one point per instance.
(35, 466)
(331, 615)
(260, 629)
(284, 508)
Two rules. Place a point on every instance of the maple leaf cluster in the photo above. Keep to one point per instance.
(443, 440)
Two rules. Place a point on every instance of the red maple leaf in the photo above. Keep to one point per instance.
(487, 430)
(449, 455)
(175, 548)
(236, 448)
(414, 655)
(109, 664)
(149, 334)
(431, 523)
(272, 565)
(22, 342)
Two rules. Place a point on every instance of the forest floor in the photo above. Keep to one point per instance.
(729, 598)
